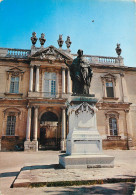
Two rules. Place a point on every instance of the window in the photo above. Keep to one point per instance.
(11, 122)
(109, 89)
(14, 85)
(109, 86)
(113, 126)
(49, 86)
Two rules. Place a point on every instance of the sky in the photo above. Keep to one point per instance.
(114, 22)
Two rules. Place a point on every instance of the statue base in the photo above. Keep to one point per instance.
(84, 143)
(86, 161)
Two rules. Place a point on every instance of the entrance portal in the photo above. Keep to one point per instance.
(49, 136)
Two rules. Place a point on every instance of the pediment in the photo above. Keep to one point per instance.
(109, 75)
(51, 53)
(15, 69)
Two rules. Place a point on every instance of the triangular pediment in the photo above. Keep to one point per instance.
(109, 75)
(51, 53)
(15, 69)
(109, 78)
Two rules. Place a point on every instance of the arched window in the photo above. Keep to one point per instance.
(113, 126)
(11, 122)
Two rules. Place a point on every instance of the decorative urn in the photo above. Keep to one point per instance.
(68, 42)
(42, 39)
(34, 38)
(118, 50)
(60, 41)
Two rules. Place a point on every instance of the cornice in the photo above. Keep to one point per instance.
(124, 68)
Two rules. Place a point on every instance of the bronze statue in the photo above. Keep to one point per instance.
(81, 74)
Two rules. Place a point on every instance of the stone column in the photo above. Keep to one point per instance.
(31, 79)
(124, 88)
(68, 82)
(28, 127)
(63, 133)
(63, 80)
(35, 123)
(57, 84)
(37, 79)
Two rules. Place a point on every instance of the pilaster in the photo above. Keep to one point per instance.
(124, 88)
(37, 79)
(63, 133)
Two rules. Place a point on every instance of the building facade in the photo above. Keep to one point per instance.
(34, 89)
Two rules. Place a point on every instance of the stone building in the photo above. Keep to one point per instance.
(34, 89)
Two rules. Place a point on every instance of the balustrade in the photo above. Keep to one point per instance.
(22, 53)
(102, 60)
(107, 60)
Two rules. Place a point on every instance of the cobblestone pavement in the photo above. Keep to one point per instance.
(12, 162)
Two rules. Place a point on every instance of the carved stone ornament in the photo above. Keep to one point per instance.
(51, 51)
(42, 39)
(60, 41)
(68, 42)
(118, 50)
(51, 54)
(34, 38)
(49, 57)
(84, 107)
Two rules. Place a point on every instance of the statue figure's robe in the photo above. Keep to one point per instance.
(81, 75)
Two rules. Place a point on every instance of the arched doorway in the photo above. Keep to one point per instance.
(49, 136)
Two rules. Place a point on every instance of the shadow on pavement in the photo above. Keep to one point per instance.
(109, 189)
(9, 174)
(52, 166)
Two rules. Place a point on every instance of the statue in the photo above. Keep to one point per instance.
(81, 74)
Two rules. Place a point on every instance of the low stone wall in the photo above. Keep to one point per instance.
(115, 144)
(10, 143)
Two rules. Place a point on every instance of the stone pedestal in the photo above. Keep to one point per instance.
(31, 146)
(84, 144)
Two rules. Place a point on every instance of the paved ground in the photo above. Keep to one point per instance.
(12, 162)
